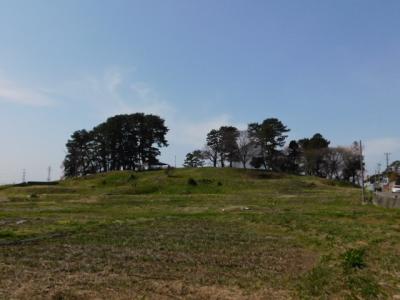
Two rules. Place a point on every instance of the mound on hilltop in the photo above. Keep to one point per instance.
(183, 181)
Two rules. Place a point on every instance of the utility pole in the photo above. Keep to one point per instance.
(49, 174)
(362, 172)
(23, 176)
(387, 154)
(379, 165)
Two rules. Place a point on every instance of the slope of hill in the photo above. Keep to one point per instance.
(196, 233)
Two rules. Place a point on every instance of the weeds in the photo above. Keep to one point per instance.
(363, 285)
(317, 282)
(354, 259)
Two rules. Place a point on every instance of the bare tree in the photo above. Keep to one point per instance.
(211, 154)
(334, 162)
(352, 163)
(245, 148)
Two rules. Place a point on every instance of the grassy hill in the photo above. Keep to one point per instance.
(196, 234)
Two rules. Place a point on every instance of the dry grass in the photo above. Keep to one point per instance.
(253, 236)
(62, 267)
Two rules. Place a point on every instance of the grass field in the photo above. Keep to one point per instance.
(196, 234)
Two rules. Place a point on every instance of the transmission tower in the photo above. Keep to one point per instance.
(49, 174)
(387, 154)
(23, 176)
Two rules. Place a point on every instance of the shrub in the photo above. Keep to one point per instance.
(132, 177)
(311, 185)
(192, 182)
(7, 234)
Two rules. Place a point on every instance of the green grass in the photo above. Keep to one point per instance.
(232, 234)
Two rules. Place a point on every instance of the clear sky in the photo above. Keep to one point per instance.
(328, 66)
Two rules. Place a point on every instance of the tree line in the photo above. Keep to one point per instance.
(133, 142)
(264, 145)
(123, 142)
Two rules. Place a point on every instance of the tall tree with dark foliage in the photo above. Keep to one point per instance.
(314, 151)
(213, 147)
(123, 142)
(269, 136)
(194, 159)
(229, 135)
(293, 157)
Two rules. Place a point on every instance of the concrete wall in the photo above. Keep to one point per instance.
(387, 200)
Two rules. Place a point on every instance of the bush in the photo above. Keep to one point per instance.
(192, 182)
(311, 185)
(354, 259)
(7, 234)
(132, 177)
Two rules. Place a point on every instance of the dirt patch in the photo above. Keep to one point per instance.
(194, 209)
(182, 290)
(85, 200)
(234, 208)
(266, 175)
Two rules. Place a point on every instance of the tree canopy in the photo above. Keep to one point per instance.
(123, 142)
(263, 145)
(194, 159)
(269, 136)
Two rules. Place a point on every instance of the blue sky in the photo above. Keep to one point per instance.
(320, 66)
